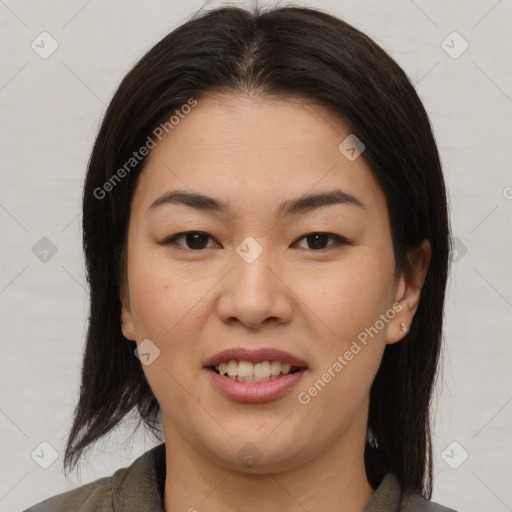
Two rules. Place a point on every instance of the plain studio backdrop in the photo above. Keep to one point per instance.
(60, 65)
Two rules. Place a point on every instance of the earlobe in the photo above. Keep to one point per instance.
(126, 323)
(408, 292)
(399, 326)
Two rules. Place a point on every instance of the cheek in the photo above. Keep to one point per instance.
(349, 296)
(345, 306)
(164, 295)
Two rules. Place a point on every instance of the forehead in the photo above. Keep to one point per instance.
(257, 151)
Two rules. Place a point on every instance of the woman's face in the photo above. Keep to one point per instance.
(251, 279)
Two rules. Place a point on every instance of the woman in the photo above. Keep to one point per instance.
(267, 241)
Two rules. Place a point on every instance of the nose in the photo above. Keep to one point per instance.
(255, 293)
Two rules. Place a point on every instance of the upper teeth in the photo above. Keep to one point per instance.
(247, 369)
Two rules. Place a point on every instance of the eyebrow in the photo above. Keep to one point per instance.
(290, 207)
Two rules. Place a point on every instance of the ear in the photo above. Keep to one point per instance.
(126, 316)
(408, 292)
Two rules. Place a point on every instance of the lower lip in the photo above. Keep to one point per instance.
(255, 391)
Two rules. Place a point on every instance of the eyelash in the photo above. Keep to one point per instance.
(338, 240)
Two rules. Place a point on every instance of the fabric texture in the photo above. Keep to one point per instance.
(140, 488)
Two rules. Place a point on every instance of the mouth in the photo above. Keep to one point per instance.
(263, 375)
(246, 371)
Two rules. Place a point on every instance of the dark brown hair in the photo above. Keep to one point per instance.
(284, 52)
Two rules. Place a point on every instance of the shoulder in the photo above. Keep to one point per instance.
(90, 497)
(416, 503)
(140, 485)
(387, 497)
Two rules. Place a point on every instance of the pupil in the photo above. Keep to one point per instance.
(316, 243)
(194, 240)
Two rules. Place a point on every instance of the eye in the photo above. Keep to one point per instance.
(194, 240)
(197, 241)
(318, 240)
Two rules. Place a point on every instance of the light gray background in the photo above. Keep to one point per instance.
(50, 111)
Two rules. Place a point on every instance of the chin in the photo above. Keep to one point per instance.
(257, 455)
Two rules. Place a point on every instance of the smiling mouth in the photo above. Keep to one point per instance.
(245, 371)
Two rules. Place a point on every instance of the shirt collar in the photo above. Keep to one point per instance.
(140, 487)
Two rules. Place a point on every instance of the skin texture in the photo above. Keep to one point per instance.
(313, 302)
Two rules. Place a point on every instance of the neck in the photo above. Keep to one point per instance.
(334, 480)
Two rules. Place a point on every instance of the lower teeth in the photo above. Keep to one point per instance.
(254, 379)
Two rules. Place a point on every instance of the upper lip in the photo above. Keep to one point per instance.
(255, 356)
